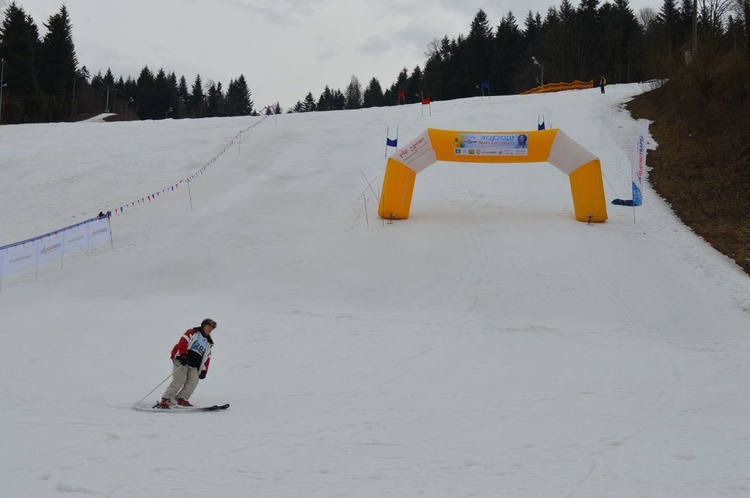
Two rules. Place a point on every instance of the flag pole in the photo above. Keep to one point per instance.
(387, 136)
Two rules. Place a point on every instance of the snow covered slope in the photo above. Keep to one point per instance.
(490, 345)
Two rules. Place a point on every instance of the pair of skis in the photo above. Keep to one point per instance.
(210, 408)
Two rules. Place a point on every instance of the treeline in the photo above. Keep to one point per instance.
(41, 81)
(568, 43)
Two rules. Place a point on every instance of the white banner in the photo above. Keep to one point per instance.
(76, 238)
(98, 231)
(50, 247)
(492, 144)
(33, 252)
(418, 154)
(19, 257)
(639, 164)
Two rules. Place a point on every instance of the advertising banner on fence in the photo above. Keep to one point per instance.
(49, 247)
(18, 257)
(76, 238)
(31, 253)
(98, 232)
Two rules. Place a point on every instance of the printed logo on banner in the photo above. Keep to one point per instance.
(50, 247)
(32, 252)
(488, 144)
(19, 257)
(639, 164)
(75, 239)
(98, 231)
(418, 154)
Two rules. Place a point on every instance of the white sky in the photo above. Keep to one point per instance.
(285, 48)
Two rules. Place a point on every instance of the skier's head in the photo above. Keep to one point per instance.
(209, 322)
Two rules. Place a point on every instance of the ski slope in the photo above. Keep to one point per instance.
(490, 345)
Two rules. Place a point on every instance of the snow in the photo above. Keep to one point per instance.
(490, 345)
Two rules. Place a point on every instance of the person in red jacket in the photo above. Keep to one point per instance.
(190, 359)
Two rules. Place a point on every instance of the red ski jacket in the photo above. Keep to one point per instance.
(197, 347)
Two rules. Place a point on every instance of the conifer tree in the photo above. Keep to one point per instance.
(19, 39)
(373, 96)
(325, 102)
(145, 98)
(197, 99)
(214, 101)
(238, 101)
(57, 64)
(509, 54)
(174, 99)
(309, 103)
(668, 22)
(164, 96)
(339, 100)
(400, 86)
(478, 60)
(435, 71)
(183, 97)
(108, 91)
(588, 61)
(414, 85)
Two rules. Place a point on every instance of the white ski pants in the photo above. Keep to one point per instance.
(184, 381)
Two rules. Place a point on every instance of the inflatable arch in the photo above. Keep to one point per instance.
(552, 146)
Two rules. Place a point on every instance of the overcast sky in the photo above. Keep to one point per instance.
(285, 48)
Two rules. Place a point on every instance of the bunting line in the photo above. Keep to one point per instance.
(123, 208)
(29, 253)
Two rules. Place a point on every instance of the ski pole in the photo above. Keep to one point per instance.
(154, 389)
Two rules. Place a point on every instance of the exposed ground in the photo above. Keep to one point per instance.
(702, 164)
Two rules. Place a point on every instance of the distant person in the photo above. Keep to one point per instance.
(190, 358)
(639, 74)
(522, 142)
(602, 82)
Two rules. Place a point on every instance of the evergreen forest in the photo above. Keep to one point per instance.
(43, 81)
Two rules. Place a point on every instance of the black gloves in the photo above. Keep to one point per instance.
(183, 359)
(202, 375)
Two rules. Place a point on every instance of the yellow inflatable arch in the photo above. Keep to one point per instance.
(552, 146)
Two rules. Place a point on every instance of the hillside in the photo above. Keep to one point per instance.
(701, 166)
(488, 345)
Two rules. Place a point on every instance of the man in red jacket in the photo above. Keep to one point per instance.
(190, 359)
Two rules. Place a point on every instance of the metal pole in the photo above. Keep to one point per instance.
(154, 389)
(190, 195)
(2, 84)
(111, 237)
(73, 98)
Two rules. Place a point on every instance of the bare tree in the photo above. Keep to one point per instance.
(646, 16)
(714, 13)
(354, 94)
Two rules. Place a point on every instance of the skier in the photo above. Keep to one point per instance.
(602, 82)
(190, 358)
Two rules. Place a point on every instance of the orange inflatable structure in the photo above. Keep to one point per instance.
(552, 146)
(560, 87)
